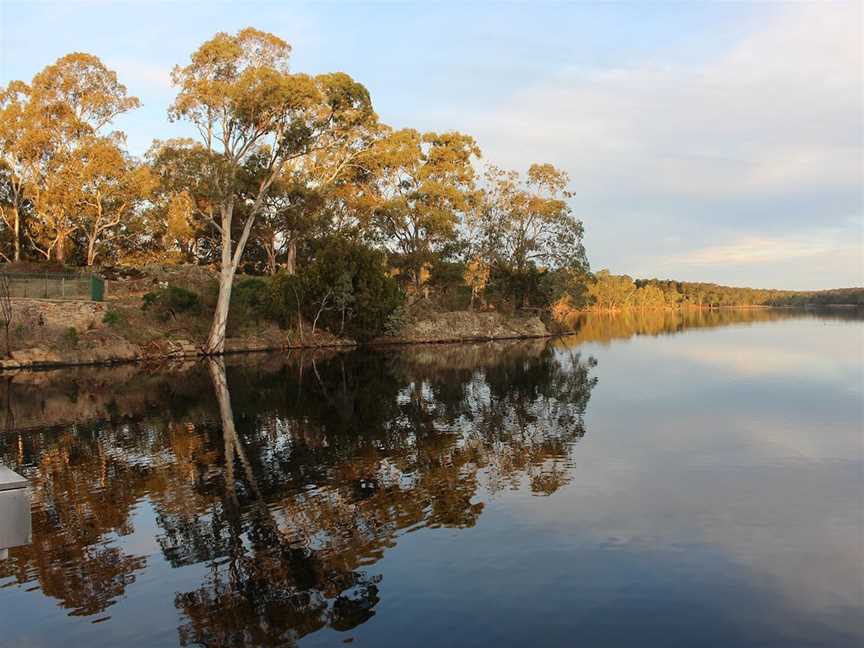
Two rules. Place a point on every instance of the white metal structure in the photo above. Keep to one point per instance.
(15, 527)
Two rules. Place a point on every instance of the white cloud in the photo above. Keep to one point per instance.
(749, 250)
(138, 75)
(782, 107)
(764, 138)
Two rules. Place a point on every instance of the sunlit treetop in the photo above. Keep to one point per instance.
(80, 91)
(238, 91)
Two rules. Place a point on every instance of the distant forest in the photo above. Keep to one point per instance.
(617, 292)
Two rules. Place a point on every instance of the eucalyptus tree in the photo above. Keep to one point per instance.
(525, 225)
(111, 186)
(239, 94)
(330, 191)
(179, 221)
(17, 159)
(425, 183)
(43, 126)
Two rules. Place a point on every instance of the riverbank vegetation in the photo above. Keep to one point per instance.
(310, 212)
(291, 176)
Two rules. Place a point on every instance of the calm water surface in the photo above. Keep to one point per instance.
(654, 480)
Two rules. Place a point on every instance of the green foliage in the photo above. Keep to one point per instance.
(69, 339)
(250, 301)
(566, 284)
(287, 297)
(447, 274)
(112, 318)
(344, 288)
(169, 301)
(447, 278)
(517, 287)
(397, 321)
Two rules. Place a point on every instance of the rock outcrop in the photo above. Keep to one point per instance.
(469, 325)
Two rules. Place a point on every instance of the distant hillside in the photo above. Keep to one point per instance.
(610, 291)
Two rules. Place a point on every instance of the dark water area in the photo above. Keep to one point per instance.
(655, 479)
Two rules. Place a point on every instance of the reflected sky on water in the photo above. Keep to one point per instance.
(666, 479)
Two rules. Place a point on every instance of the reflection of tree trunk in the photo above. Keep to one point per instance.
(229, 433)
(233, 445)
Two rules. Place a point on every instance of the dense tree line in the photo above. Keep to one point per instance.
(282, 162)
(610, 292)
(293, 178)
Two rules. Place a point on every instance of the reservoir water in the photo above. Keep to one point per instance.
(656, 479)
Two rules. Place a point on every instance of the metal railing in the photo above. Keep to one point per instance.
(49, 285)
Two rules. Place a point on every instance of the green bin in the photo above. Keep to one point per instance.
(97, 288)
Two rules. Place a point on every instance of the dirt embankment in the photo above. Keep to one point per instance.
(457, 326)
(62, 333)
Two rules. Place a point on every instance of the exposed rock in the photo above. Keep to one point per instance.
(58, 314)
(468, 325)
(91, 352)
(95, 342)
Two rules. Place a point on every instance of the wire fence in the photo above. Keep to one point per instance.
(35, 285)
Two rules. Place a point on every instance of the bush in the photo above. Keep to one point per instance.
(69, 338)
(397, 321)
(447, 278)
(169, 301)
(112, 318)
(344, 285)
(250, 301)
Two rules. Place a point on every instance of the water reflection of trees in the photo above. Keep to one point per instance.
(605, 327)
(292, 484)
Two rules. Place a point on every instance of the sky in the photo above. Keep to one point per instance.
(715, 142)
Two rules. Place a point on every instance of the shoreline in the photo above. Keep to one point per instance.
(52, 360)
(455, 327)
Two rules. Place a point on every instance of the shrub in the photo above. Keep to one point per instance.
(447, 278)
(344, 285)
(69, 338)
(396, 321)
(250, 302)
(169, 301)
(112, 318)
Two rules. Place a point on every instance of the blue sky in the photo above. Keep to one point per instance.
(715, 142)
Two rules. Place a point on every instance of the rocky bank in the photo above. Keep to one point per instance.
(69, 333)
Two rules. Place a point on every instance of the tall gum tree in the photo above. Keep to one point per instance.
(44, 125)
(18, 159)
(525, 223)
(111, 188)
(239, 94)
(179, 222)
(425, 182)
(326, 192)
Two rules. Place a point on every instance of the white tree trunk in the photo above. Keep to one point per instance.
(219, 327)
(17, 233)
(230, 263)
(291, 259)
(216, 339)
(91, 251)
